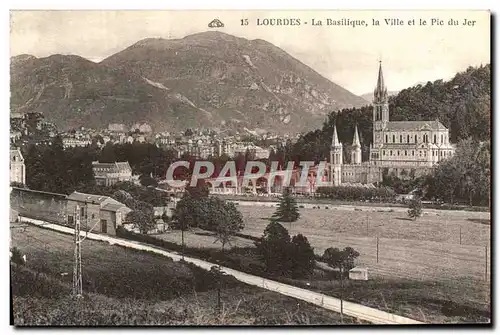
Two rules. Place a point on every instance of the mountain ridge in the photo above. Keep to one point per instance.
(207, 79)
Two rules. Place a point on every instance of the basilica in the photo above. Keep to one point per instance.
(405, 148)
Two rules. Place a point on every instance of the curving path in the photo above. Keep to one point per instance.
(351, 309)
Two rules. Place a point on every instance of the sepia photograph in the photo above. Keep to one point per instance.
(250, 167)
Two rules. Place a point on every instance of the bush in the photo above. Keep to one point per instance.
(17, 256)
(415, 208)
(353, 193)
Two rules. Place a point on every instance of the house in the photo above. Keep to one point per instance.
(111, 173)
(358, 273)
(98, 213)
(17, 167)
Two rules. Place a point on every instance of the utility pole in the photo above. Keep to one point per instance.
(366, 224)
(77, 265)
(485, 262)
(377, 249)
(341, 295)
(182, 238)
(460, 235)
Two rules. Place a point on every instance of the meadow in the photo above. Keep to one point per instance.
(128, 287)
(434, 269)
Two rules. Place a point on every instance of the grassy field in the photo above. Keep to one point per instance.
(423, 271)
(428, 248)
(124, 286)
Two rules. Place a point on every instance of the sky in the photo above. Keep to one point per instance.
(346, 55)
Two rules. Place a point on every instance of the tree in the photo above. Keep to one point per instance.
(141, 219)
(201, 190)
(340, 259)
(147, 180)
(274, 249)
(228, 221)
(303, 258)
(287, 210)
(344, 261)
(465, 176)
(415, 208)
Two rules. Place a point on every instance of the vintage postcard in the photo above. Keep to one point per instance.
(179, 168)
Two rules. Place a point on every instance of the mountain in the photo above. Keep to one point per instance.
(369, 96)
(208, 79)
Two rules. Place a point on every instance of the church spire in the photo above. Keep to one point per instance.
(380, 93)
(355, 141)
(335, 139)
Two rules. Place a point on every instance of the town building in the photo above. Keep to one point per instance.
(107, 174)
(17, 167)
(72, 142)
(98, 213)
(410, 148)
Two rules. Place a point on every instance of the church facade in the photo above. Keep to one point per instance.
(406, 148)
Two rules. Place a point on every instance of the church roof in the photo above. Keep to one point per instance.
(380, 93)
(355, 141)
(414, 125)
(335, 138)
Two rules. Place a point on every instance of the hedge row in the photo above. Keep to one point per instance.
(356, 193)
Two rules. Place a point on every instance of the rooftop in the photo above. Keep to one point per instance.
(414, 125)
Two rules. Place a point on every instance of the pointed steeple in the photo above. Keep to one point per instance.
(380, 93)
(355, 141)
(335, 139)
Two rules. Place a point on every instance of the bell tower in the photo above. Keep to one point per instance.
(380, 102)
(336, 160)
(356, 148)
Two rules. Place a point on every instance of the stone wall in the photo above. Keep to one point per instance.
(39, 205)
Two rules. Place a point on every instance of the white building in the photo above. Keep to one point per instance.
(17, 167)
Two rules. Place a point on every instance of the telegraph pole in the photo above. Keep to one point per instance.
(77, 265)
(341, 295)
(367, 224)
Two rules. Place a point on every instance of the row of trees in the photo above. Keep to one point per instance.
(385, 194)
(466, 177)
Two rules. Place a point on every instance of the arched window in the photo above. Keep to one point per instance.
(406, 153)
(393, 138)
(390, 152)
(435, 138)
(400, 138)
(386, 138)
(413, 152)
(441, 139)
(407, 138)
(383, 153)
(415, 138)
(398, 152)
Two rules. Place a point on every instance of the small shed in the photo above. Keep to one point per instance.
(358, 273)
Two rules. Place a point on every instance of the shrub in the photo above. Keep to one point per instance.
(17, 256)
(415, 208)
